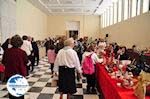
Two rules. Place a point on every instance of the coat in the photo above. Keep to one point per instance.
(15, 61)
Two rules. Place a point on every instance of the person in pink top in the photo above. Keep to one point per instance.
(51, 56)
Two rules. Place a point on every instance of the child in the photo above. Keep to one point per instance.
(91, 78)
(51, 56)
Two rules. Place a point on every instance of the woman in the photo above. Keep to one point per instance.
(123, 54)
(27, 47)
(51, 56)
(15, 60)
(67, 61)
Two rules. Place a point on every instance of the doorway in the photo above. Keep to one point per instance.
(73, 34)
(73, 29)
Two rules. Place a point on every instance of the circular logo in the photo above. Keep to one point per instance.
(17, 85)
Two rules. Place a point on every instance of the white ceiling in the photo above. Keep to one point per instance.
(71, 7)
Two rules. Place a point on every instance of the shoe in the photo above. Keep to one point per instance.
(31, 70)
(88, 90)
(78, 79)
(93, 90)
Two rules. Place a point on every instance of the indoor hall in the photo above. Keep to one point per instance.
(38, 36)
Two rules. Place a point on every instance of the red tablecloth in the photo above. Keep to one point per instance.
(109, 86)
(147, 54)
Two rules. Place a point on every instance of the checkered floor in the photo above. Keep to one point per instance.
(42, 86)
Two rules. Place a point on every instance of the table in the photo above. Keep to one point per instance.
(147, 54)
(109, 87)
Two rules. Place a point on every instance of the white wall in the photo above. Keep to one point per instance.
(31, 21)
(25, 19)
(89, 25)
(7, 19)
(135, 30)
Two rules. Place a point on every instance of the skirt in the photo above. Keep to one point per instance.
(66, 80)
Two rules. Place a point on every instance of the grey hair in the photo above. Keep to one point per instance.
(68, 42)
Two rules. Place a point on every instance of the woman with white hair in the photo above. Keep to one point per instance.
(66, 62)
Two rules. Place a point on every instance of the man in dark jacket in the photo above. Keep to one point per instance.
(34, 53)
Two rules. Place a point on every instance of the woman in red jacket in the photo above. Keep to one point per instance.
(15, 60)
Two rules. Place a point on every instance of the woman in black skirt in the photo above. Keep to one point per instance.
(65, 64)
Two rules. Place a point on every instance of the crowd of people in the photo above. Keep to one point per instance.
(65, 56)
(19, 57)
(26, 44)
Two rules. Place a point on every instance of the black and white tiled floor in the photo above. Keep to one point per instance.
(43, 87)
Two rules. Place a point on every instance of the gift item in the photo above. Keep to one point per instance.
(148, 90)
(125, 62)
(143, 81)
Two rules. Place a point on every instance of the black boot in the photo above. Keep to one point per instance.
(88, 89)
(93, 90)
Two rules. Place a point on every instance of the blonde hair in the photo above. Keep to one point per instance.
(68, 42)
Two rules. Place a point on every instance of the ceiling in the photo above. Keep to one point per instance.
(71, 7)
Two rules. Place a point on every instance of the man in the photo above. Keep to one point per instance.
(35, 53)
